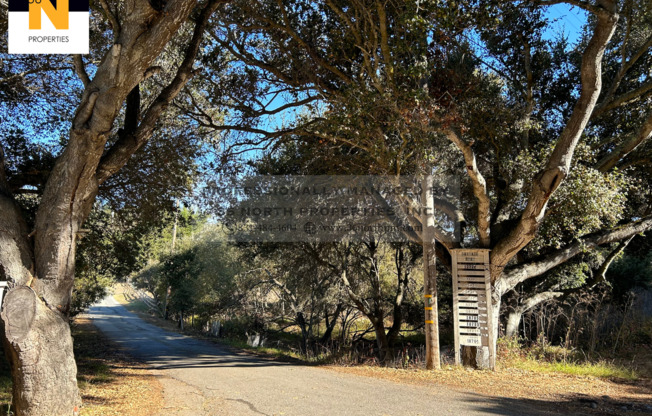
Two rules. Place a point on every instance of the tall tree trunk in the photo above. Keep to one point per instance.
(559, 162)
(41, 271)
(397, 318)
(36, 335)
(513, 322)
(39, 347)
(514, 316)
(494, 326)
(385, 351)
(402, 273)
(330, 324)
(301, 321)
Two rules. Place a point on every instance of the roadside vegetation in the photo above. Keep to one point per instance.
(541, 358)
(565, 380)
(301, 311)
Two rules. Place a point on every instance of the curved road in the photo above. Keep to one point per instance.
(201, 379)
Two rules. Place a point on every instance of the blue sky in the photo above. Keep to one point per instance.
(565, 19)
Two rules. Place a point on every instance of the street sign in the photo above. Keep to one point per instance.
(471, 301)
(470, 340)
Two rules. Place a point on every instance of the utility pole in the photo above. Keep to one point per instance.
(433, 360)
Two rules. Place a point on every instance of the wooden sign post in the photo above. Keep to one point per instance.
(472, 313)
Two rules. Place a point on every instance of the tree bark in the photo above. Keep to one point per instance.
(643, 134)
(301, 322)
(41, 275)
(518, 274)
(513, 322)
(522, 306)
(558, 165)
(330, 324)
(397, 314)
(40, 351)
(514, 319)
(385, 351)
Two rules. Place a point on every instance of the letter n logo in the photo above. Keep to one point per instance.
(57, 13)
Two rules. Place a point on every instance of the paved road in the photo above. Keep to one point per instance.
(201, 379)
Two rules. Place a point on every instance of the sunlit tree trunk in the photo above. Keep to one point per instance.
(39, 263)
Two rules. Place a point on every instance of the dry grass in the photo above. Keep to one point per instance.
(521, 384)
(111, 383)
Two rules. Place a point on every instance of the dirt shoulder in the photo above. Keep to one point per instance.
(111, 382)
(572, 393)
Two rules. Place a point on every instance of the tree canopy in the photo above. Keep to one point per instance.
(549, 137)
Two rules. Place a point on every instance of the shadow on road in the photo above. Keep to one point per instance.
(295, 389)
(164, 349)
(571, 405)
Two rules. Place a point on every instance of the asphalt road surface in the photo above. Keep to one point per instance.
(200, 378)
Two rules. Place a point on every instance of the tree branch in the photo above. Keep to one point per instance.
(559, 162)
(309, 50)
(4, 185)
(16, 262)
(72, 184)
(479, 186)
(581, 4)
(14, 77)
(362, 304)
(643, 134)
(265, 112)
(521, 273)
(282, 286)
(16, 265)
(120, 153)
(529, 92)
(607, 102)
(598, 276)
(384, 41)
(113, 20)
(601, 273)
(624, 99)
(538, 298)
(78, 63)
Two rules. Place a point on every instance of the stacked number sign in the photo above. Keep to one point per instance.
(471, 297)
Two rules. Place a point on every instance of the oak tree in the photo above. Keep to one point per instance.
(39, 261)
